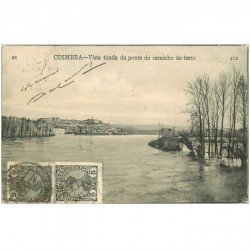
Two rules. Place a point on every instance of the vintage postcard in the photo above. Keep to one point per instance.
(169, 124)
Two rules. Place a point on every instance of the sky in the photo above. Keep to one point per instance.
(119, 91)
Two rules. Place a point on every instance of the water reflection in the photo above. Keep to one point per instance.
(201, 171)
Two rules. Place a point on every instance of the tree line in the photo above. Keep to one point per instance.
(21, 127)
(219, 114)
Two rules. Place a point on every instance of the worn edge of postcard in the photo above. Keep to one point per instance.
(99, 187)
(6, 195)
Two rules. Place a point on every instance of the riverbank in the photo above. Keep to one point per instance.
(14, 127)
(167, 144)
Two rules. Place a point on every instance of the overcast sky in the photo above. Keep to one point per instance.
(119, 92)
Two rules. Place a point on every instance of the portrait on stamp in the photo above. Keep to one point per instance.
(29, 182)
(78, 182)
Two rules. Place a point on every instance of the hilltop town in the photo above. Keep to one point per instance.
(22, 127)
(83, 127)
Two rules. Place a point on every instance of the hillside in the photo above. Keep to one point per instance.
(13, 127)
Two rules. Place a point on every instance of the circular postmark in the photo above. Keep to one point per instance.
(29, 182)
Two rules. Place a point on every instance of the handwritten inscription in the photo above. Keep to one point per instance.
(29, 85)
(62, 84)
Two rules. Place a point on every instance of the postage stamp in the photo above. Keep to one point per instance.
(29, 182)
(78, 182)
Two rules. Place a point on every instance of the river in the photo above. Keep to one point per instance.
(133, 172)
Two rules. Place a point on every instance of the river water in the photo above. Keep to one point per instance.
(133, 172)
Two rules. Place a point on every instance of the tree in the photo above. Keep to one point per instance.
(21, 127)
(223, 95)
(235, 90)
(243, 111)
(206, 98)
(197, 110)
(215, 113)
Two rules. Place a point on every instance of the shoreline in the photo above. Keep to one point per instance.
(166, 144)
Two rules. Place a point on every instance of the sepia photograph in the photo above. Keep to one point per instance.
(169, 124)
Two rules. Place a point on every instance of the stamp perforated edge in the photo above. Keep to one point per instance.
(99, 181)
(11, 163)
